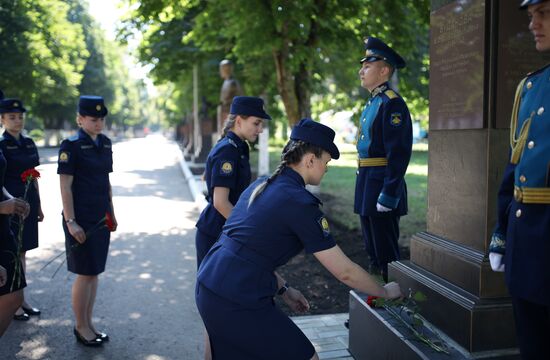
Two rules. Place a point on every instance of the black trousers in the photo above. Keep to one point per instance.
(532, 328)
(381, 235)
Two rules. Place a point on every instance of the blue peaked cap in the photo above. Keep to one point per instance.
(249, 106)
(11, 106)
(376, 50)
(525, 3)
(317, 134)
(91, 105)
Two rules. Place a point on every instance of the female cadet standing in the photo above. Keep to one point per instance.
(227, 171)
(85, 161)
(10, 297)
(272, 222)
(21, 154)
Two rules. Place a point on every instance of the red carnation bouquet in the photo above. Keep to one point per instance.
(27, 176)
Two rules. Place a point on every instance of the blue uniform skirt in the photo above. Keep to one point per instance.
(88, 258)
(237, 332)
(7, 258)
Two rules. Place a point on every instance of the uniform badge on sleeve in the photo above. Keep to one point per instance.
(324, 225)
(227, 168)
(396, 119)
(63, 157)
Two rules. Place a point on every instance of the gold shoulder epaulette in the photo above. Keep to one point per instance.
(390, 93)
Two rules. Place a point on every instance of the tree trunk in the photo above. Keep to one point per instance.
(285, 84)
(303, 91)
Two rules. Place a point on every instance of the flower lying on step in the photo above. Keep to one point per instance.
(406, 311)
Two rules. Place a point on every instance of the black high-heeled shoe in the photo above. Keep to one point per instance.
(94, 342)
(101, 335)
(21, 317)
(31, 310)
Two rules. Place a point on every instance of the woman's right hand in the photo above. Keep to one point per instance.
(77, 232)
(392, 290)
(15, 206)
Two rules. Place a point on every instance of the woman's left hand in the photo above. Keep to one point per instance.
(40, 214)
(115, 223)
(295, 300)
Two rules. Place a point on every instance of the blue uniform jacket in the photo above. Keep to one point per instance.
(522, 232)
(89, 163)
(21, 155)
(385, 131)
(283, 220)
(227, 166)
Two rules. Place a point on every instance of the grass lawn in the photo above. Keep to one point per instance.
(338, 186)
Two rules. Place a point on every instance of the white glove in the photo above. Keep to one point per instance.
(496, 262)
(382, 208)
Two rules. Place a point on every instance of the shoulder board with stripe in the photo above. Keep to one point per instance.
(73, 138)
(232, 142)
(390, 94)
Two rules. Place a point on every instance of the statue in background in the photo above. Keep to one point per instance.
(229, 90)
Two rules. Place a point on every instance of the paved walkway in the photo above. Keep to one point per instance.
(146, 297)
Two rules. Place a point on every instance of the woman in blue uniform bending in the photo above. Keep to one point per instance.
(272, 222)
(227, 172)
(85, 161)
(21, 154)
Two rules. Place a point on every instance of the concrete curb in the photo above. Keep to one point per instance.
(194, 187)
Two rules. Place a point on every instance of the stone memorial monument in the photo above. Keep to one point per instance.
(479, 50)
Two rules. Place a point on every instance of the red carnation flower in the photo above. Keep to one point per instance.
(109, 222)
(371, 301)
(29, 175)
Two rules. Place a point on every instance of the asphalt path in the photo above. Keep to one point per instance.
(145, 300)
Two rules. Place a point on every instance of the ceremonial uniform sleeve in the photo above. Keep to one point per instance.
(397, 135)
(66, 160)
(505, 196)
(225, 168)
(311, 226)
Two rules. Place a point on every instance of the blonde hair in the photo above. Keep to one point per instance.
(292, 154)
(230, 123)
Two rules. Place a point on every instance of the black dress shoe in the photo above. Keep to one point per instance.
(21, 317)
(81, 339)
(31, 310)
(101, 335)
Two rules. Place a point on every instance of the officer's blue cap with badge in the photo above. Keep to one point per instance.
(11, 106)
(376, 50)
(90, 105)
(249, 106)
(317, 134)
(525, 3)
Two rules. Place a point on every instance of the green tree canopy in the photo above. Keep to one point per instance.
(285, 50)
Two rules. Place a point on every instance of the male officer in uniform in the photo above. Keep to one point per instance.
(384, 146)
(520, 244)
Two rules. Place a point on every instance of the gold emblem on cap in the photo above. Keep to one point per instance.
(529, 85)
(369, 52)
(98, 107)
(16, 104)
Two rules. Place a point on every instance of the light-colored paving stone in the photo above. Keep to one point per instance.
(327, 333)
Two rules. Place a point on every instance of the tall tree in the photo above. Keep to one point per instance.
(301, 47)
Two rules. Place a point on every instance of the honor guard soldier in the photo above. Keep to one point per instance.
(21, 154)
(274, 220)
(520, 244)
(384, 146)
(85, 161)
